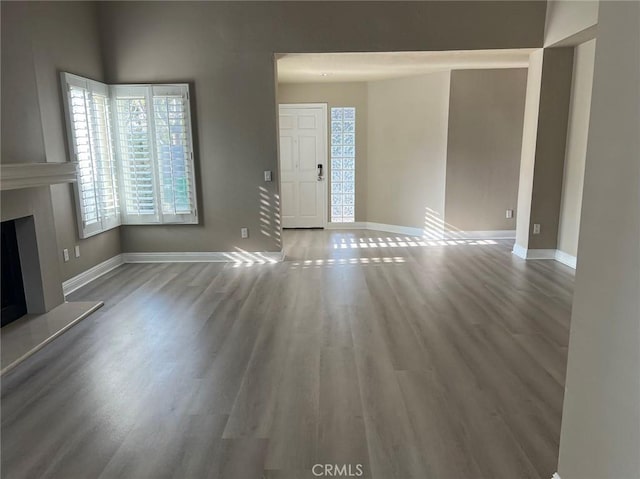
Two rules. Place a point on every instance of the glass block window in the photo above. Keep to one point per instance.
(343, 164)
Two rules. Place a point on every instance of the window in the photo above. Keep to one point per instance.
(133, 147)
(89, 129)
(343, 164)
(153, 143)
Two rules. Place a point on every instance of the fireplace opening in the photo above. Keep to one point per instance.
(14, 305)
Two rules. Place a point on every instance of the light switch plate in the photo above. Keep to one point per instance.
(509, 214)
(77, 251)
(65, 255)
(267, 175)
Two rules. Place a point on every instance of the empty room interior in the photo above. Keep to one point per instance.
(299, 239)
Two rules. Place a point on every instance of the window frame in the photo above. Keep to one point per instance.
(148, 90)
(175, 89)
(102, 224)
(342, 219)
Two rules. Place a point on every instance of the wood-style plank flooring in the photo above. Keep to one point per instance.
(414, 360)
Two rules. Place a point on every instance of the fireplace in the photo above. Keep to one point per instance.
(26, 191)
(14, 304)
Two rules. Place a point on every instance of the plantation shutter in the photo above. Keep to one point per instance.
(133, 138)
(134, 151)
(155, 149)
(89, 130)
(174, 153)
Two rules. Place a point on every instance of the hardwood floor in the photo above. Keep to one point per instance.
(415, 361)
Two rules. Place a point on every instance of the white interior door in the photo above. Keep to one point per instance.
(303, 146)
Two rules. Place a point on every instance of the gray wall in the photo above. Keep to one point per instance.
(577, 134)
(555, 94)
(407, 150)
(336, 95)
(567, 18)
(600, 435)
(38, 41)
(486, 112)
(22, 140)
(226, 50)
(544, 141)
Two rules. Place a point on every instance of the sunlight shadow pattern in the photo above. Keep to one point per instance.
(435, 228)
(324, 263)
(404, 242)
(270, 225)
(244, 258)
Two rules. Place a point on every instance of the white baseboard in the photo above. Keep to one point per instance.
(541, 254)
(566, 258)
(70, 285)
(358, 225)
(519, 251)
(205, 257)
(400, 230)
(410, 231)
(496, 234)
(103, 268)
(554, 254)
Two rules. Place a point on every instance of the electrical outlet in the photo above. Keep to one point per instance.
(509, 214)
(77, 251)
(65, 255)
(244, 233)
(536, 229)
(267, 175)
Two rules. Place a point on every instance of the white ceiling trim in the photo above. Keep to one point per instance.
(373, 66)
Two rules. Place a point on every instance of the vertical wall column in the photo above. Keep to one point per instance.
(543, 149)
(601, 417)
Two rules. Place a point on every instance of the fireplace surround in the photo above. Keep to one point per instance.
(26, 200)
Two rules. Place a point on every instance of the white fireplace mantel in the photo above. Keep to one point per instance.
(15, 176)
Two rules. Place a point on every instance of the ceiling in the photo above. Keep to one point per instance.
(358, 67)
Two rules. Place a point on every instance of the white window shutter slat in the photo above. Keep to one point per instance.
(135, 156)
(174, 153)
(88, 124)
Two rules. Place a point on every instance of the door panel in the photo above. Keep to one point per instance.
(286, 154)
(306, 122)
(308, 201)
(287, 121)
(303, 144)
(288, 200)
(308, 154)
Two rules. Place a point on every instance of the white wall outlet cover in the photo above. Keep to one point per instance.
(267, 175)
(244, 232)
(65, 255)
(536, 229)
(509, 214)
(77, 251)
